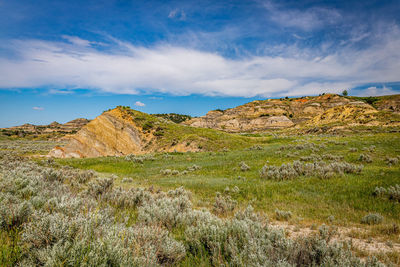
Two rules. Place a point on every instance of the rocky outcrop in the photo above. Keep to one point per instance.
(53, 128)
(305, 111)
(240, 124)
(268, 114)
(108, 134)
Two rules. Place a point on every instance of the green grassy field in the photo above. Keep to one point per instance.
(347, 197)
(340, 201)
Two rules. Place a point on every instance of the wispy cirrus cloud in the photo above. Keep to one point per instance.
(38, 108)
(130, 69)
(76, 40)
(306, 19)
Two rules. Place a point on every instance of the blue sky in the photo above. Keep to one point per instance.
(60, 60)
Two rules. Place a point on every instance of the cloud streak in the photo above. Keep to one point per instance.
(309, 19)
(129, 69)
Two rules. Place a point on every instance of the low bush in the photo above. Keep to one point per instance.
(256, 147)
(318, 169)
(282, 215)
(372, 218)
(392, 161)
(194, 167)
(392, 192)
(244, 167)
(365, 158)
(223, 204)
(127, 180)
(13, 213)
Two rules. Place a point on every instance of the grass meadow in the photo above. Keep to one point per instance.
(347, 197)
(206, 208)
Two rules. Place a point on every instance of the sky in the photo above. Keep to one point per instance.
(60, 60)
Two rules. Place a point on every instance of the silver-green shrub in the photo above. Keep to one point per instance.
(392, 192)
(244, 167)
(223, 204)
(372, 218)
(318, 169)
(282, 215)
(365, 158)
(392, 161)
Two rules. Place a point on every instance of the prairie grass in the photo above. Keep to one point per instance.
(347, 197)
(183, 217)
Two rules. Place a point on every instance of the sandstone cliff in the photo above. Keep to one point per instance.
(123, 131)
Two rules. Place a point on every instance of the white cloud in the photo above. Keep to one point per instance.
(307, 20)
(374, 90)
(166, 69)
(139, 104)
(177, 14)
(76, 40)
(38, 108)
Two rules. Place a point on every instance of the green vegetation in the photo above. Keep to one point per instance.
(59, 219)
(57, 212)
(177, 118)
(308, 197)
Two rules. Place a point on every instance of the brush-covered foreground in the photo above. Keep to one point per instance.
(338, 178)
(132, 210)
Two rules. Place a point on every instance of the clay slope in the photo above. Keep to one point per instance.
(288, 112)
(359, 113)
(123, 131)
(355, 115)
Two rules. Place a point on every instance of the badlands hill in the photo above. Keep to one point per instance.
(54, 129)
(308, 111)
(123, 131)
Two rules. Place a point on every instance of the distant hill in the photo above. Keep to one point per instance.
(54, 129)
(326, 109)
(123, 131)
